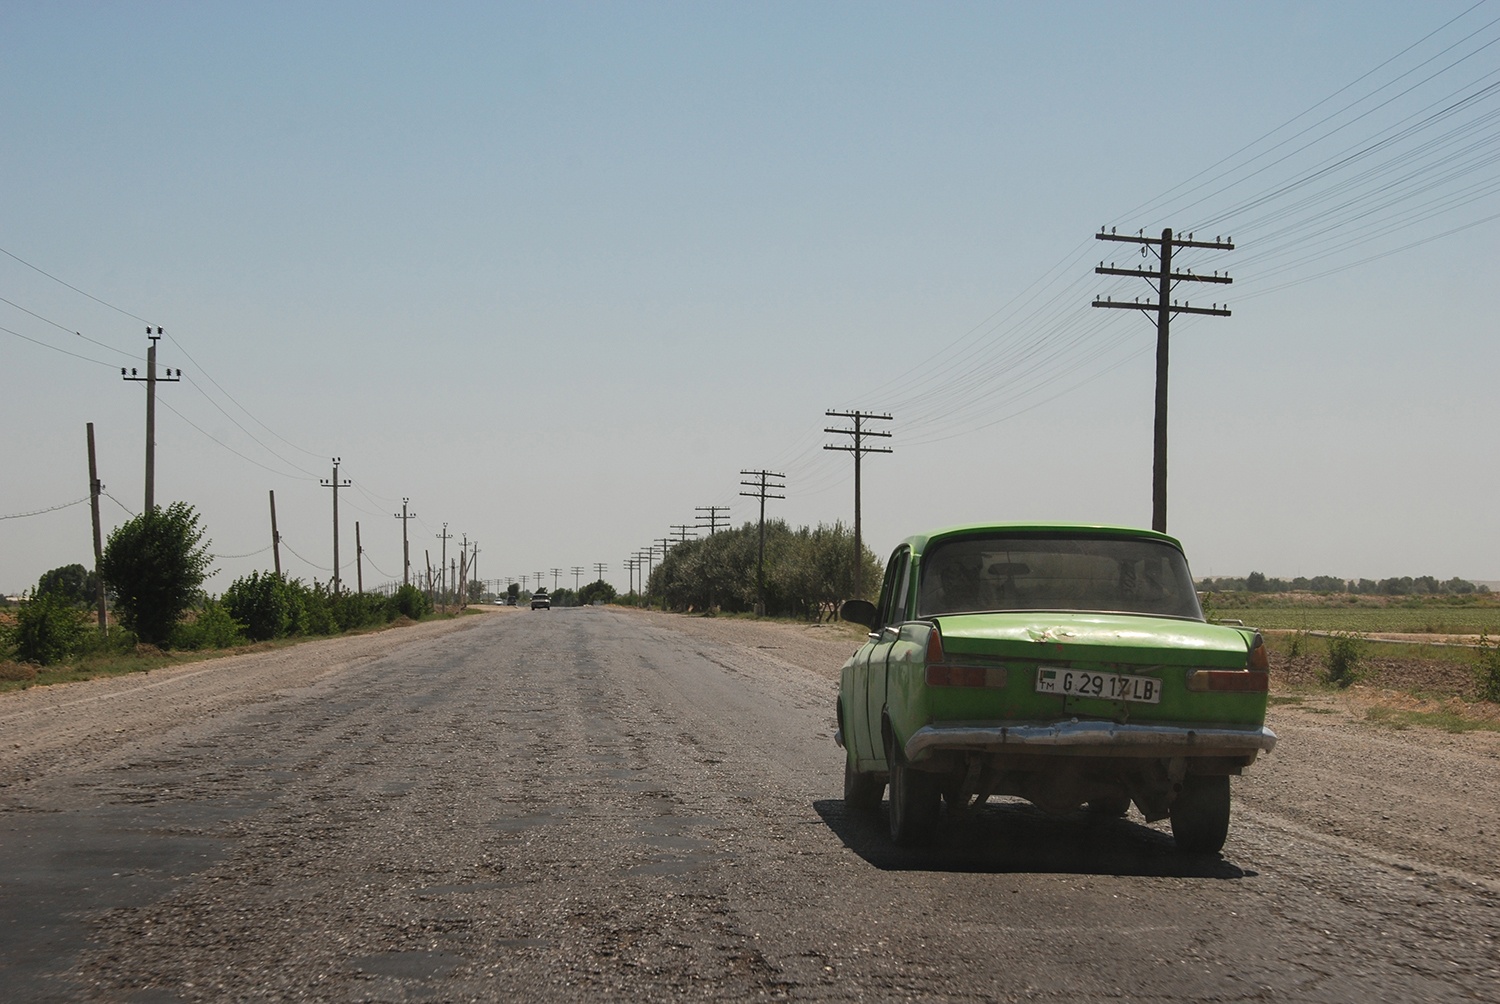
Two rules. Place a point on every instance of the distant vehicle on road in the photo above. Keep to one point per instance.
(540, 600)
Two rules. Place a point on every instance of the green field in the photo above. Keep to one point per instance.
(1432, 617)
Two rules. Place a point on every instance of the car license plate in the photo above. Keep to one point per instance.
(1105, 686)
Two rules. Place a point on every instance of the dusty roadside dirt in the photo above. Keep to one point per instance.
(1414, 795)
(81, 717)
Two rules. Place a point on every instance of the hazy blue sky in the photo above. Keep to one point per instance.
(558, 272)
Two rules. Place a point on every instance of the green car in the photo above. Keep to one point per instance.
(1069, 665)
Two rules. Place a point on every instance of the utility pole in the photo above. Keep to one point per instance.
(275, 536)
(600, 567)
(713, 517)
(1164, 308)
(763, 490)
(473, 561)
(648, 557)
(555, 573)
(683, 532)
(858, 434)
(403, 516)
(577, 571)
(336, 484)
(359, 564)
(151, 380)
(95, 488)
(445, 536)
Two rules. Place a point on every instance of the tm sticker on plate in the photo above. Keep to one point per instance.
(1106, 686)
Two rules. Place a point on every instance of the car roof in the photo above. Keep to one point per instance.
(920, 542)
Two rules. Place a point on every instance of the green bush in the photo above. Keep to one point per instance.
(262, 603)
(1488, 670)
(155, 563)
(1341, 664)
(211, 627)
(47, 630)
(409, 601)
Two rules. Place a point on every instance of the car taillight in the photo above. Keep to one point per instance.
(1260, 658)
(1228, 680)
(941, 674)
(934, 647)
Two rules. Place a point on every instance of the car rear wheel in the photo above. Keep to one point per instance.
(1200, 815)
(915, 802)
(1109, 807)
(862, 790)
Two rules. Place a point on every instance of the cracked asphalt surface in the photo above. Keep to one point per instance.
(589, 803)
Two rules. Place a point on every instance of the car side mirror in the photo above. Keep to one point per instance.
(859, 612)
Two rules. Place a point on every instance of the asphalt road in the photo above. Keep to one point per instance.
(585, 804)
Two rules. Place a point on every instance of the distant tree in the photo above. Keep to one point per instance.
(513, 591)
(155, 563)
(476, 591)
(596, 590)
(73, 583)
(1255, 582)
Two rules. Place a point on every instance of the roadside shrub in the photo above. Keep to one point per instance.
(212, 626)
(262, 603)
(409, 601)
(155, 563)
(1341, 664)
(1488, 670)
(1297, 644)
(47, 629)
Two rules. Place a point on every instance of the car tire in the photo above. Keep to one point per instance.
(862, 790)
(1109, 807)
(1200, 814)
(915, 802)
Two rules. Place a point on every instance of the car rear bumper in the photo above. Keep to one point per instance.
(1091, 738)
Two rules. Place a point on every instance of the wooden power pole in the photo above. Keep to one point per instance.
(94, 490)
(336, 484)
(151, 380)
(1166, 279)
(763, 490)
(275, 536)
(857, 447)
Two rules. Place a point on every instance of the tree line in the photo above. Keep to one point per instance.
(806, 572)
(1406, 585)
(153, 567)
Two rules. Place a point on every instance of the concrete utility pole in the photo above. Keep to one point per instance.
(445, 536)
(359, 563)
(713, 517)
(473, 561)
(151, 380)
(1166, 280)
(336, 484)
(403, 516)
(275, 537)
(763, 490)
(858, 434)
(95, 488)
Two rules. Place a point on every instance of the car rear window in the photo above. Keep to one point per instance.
(1056, 572)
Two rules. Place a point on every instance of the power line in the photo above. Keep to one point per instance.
(54, 508)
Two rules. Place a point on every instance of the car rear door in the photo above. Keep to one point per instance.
(893, 595)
